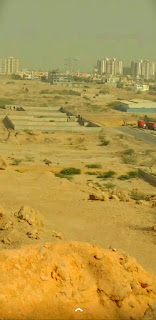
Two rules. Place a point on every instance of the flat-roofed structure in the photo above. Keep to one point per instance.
(137, 106)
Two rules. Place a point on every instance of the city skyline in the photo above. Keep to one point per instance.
(107, 65)
(43, 33)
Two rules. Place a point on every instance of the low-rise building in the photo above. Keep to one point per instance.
(62, 79)
(140, 87)
(136, 106)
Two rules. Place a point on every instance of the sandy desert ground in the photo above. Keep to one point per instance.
(46, 218)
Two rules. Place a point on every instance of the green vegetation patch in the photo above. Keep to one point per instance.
(93, 166)
(70, 171)
(109, 185)
(136, 195)
(124, 177)
(129, 151)
(103, 140)
(133, 174)
(105, 143)
(129, 175)
(104, 91)
(107, 175)
(15, 162)
(63, 176)
(92, 173)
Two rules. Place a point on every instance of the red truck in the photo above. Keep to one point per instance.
(151, 125)
(142, 124)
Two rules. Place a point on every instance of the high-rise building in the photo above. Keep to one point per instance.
(136, 68)
(110, 66)
(143, 69)
(101, 66)
(118, 67)
(127, 71)
(9, 65)
(152, 70)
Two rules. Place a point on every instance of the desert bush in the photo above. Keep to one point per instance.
(107, 175)
(46, 161)
(93, 166)
(129, 175)
(127, 159)
(109, 185)
(133, 174)
(129, 151)
(15, 162)
(104, 141)
(70, 171)
(63, 176)
(92, 173)
(103, 91)
(124, 177)
(98, 184)
(136, 195)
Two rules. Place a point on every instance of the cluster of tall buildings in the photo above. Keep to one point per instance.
(110, 66)
(139, 69)
(9, 66)
(143, 69)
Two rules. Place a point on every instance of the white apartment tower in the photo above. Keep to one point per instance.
(110, 66)
(9, 65)
(144, 69)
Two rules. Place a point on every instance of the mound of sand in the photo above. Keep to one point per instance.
(50, 281)
(18, 226)
(31, 216)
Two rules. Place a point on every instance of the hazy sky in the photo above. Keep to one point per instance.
(41, 33)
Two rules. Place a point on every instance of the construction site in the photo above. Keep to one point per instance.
(44, 119)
